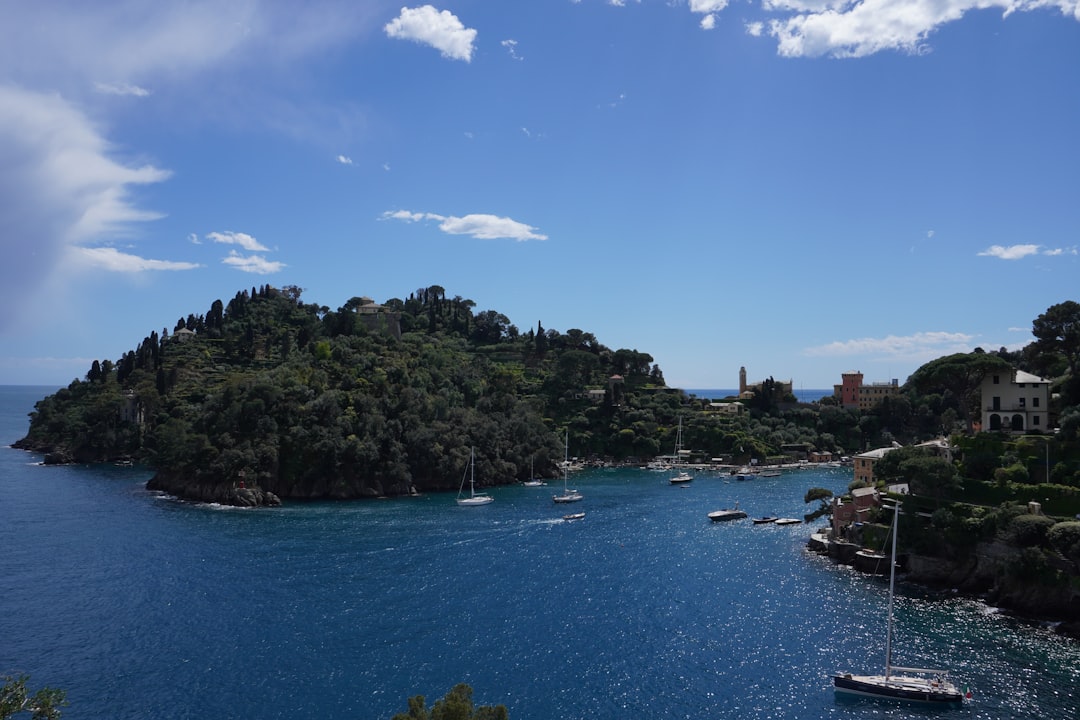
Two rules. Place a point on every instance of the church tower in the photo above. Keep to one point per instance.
(742, 380)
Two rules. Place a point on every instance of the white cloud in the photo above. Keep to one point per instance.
(707, 6)
(478, 225)
(237, 238)
(441, 30)
(344, 159)
(1020, 252)
(708, 22)
(914, 347)
(60, 185)
(511, 47)
(405, 215)
(856, 28)
(755, 29)
(121, 89)
(108, 258)
(252, 263)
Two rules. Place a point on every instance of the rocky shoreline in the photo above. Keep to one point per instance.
(232, 493)
(987, 574)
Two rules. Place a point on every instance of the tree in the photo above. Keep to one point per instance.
(45, 704)
(1058, 331)
(824, 508)
(456, 705)
(960, 374)
(1057, 334)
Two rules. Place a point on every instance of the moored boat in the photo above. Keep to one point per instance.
(727, 514)
(921, 685)
(473, 498)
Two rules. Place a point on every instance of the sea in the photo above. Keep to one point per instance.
(142, 606)
(801, 394)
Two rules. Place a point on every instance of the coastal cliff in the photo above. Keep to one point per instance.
(1027, 581)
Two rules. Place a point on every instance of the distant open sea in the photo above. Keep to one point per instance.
(140, 606)
(801, 394)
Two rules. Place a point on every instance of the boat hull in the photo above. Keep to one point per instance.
(475, 500)
(724, 515)
(908, 689)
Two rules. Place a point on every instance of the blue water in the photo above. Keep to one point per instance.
(801, 394)
(143, 607)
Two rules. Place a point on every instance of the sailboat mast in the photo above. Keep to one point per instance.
(472, 472)
(566, 462)
(892, 589)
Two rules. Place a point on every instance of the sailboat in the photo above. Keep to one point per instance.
(683, 477)
(915, 684)
(474, 498)
(533, 481)
(568, 496)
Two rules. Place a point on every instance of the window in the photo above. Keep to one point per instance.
(1035, 420)
(996, 379)
(1034, 402)
(1023, 402)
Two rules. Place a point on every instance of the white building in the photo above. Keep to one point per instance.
(1017, 402)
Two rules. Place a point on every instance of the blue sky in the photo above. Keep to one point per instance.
(801, 187)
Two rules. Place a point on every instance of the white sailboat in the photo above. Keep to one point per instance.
(473, 498)
(914, 684)
(682, 477)
(568, 495)
(533, 481)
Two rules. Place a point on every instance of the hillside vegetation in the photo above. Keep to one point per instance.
(285, 399)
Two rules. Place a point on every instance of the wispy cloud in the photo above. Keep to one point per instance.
(237, 238)
(60, 187)
(921, 345)
(344, 159)
(511, 47)
(121, 89)
(256, 264)
(108, 258)
(253, 263)
(1018, 252)
(481, 226)
(440, 29)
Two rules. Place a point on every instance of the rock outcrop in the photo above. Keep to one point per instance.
(237, 495)
(1025, 581)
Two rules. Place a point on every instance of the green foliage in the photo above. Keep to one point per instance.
(823, 496)
(308, 402)
(1015, 473)
(44, 704)
(1057, 332)
(1029, 530)
(960, 375)
(455, 705)
(1065, 538)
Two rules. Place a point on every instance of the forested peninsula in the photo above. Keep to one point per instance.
(267, 397)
